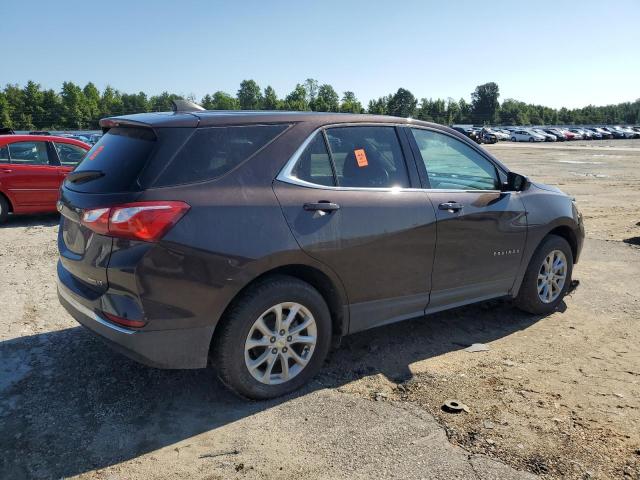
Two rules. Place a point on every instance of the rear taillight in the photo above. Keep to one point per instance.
(147, 221)
(125, 322)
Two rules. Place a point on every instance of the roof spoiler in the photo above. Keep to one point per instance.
(180, 105)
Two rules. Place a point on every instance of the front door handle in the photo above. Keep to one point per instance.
(450, 206)
(322, 206)
(6, 170)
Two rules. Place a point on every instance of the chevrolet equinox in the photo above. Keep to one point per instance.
(255, 238)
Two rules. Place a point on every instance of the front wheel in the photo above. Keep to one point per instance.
(547, 278)
(274, 338)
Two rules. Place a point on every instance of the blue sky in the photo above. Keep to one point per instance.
(556, 53)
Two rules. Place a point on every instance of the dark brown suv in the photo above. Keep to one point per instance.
(254, 238)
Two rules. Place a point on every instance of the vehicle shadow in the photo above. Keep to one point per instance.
(41, 220)
(68, 404)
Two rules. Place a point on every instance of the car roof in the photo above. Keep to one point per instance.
(4, 139)
(206, 118)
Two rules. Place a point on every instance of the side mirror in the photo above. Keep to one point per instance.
(516, 182)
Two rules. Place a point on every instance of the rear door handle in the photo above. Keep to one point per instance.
(450, 206)
(6, 170)
(322, 206)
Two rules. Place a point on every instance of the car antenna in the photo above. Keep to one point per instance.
(180, 105)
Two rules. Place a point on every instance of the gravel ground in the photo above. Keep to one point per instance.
(557, 396)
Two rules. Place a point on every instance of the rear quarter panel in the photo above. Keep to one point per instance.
(234, 232)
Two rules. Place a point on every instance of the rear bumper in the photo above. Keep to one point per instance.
(179, 348)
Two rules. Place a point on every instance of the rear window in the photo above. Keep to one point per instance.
(212, 152)
(120, 155)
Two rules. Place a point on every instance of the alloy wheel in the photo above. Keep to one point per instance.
(280, 343)
(552, 276)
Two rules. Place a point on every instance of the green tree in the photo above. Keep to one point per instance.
(74, 111)
(15, 101)
(453, 111)
(270, 99)
(297, 99)
(110, 102)
(514, 112)
(327, 100)
(28, 107)
(402, 104)
(464, 112)
(5, 116)
(92, 104)
(425, 111)
(32, 101)
(249, 95)
(157, 103)
(138, 103)
(484, 103)
(220, 101)
(379, 106)
(350, 103)
(52, 108)
(311, 87)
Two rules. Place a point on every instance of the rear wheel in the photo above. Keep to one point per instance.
(513, 139)
(531, 139)
(547, 278)
(4, 209)
(274, 338)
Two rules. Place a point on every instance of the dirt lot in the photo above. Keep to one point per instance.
(557, 396)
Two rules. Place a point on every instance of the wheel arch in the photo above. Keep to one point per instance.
(6, 197)
(329, 288)
(563, 231)
(568, 234)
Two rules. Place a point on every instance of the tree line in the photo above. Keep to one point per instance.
(74, 107)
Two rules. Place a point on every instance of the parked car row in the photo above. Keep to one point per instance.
(88, 138)
(480, 134)
(552, 134)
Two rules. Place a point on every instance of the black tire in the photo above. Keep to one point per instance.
(231, 334)
(513, 139)
(531, 139)
(528, 299)
(4, 209)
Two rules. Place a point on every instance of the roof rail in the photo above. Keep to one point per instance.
(180, 105)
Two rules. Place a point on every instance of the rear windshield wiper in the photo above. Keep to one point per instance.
(84, 176)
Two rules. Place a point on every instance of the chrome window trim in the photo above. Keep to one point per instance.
(287, 176)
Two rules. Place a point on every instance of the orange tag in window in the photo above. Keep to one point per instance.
(361, 157)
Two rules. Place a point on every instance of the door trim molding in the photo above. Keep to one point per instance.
(375, 313)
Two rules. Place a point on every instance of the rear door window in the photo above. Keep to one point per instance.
(212, 152)
(70, 155)
(314, 165)
(368, 157)
(29, 153)
(4, 154)
(119, 156)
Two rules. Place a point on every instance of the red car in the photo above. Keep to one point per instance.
(32, 167)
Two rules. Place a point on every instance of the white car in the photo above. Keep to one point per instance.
(522, 135)
(547, 136)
